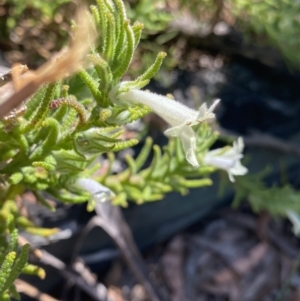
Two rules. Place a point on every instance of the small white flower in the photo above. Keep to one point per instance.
(99, 192)
(179, 116)
(229, 160)
(295, 220)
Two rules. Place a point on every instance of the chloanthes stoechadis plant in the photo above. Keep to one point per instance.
(76, 107)
(60, 130)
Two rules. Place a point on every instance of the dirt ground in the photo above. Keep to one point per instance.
(231, 256)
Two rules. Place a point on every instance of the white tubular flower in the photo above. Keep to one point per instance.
(99, 192)
(179, 116)
(295, 220)
(229, 160)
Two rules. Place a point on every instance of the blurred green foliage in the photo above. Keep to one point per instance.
(267, 22)
(276, 200)
(46, 9)
(276, 22)
(31, 30)
(152, 14)
(264, 22)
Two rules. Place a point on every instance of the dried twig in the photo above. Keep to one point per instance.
(258, 139)
(110, 219)
(31, 291)
(8, 77)
(269, 141)
(81, 276)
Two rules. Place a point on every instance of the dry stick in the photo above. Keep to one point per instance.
(265, 141)
(269, 141)
(31, 291)
(17, 98)
(81, 277)
(95, 290)
(8, 77)
(110, 219)
(115, 225)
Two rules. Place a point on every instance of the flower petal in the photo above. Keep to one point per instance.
(188, 140)
(228, 159)
(205, 113)
(213, 106)
(295, 220)
(202, 110)
(238, 169)
(174, 131)
(99, 192)
(219, 161)
(231, 178)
